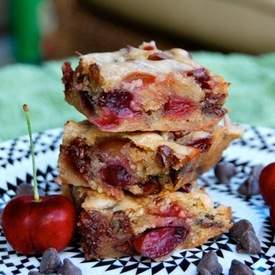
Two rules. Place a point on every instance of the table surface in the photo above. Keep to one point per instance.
(251, 100)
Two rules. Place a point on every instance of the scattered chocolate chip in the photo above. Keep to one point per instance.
(273, 271)
(224, 171)
(209, 264)
(250, 186)
(68, 268)
(243, 233)
(249, 243)
(238, 268)
(204, 271)
(239, 227)
(50, 261)
(34, 273)
(24, 189)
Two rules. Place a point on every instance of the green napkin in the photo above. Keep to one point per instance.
(252, 92)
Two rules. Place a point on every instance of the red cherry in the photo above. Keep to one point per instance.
(106, 120)
(159, 242)
(118, 101)
(31, 227)
(149, 47)
(267, 183)
(116, 174)
(272, 213)
(178, 106)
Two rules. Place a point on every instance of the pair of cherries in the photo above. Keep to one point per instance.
(267, 188)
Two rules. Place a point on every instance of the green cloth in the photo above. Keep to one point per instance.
(251, 100)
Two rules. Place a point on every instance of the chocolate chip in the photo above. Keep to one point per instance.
(273, 271)
(239, 227)
(209, 264)
(204, 271)
(249, 243)
(50, 261)
(24, 189)
(68, 268)
(165, 157)
(250, 186)
(34, 273)
(224, 171)
(243, 233)
(238, 268)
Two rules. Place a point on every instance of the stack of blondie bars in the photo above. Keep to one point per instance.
(155, 122)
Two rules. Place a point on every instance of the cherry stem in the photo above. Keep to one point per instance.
(34, 184)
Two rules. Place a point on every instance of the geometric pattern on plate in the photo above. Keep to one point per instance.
(257, 146)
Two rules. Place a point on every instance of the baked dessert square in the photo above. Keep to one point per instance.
(140, 163)
(145, 89)
(151, 226)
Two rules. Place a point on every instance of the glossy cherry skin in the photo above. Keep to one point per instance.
(160, 241)
(31, 227)
(267, 183)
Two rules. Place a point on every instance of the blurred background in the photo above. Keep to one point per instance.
(235, 38)
(35, 30)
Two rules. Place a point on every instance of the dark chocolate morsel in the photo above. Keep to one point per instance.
(209, 264)
(68, 268)
(204, 271)
(244, 234)
(34, 273)
(250, 186)
(249, 243)
(239, 227)
(50, 261)
(224, 171)
(238, 268)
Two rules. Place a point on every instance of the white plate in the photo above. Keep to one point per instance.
(256, 147)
